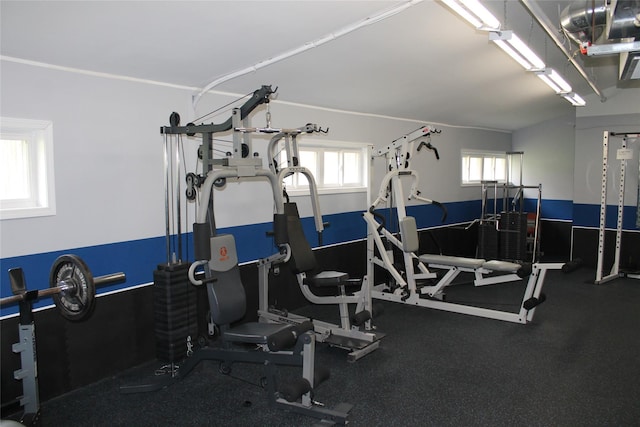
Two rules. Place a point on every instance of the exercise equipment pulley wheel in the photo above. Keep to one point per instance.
(71, 285)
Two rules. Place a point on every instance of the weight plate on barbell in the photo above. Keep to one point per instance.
(76, 301)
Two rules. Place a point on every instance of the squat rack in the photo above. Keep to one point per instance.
(623, 154)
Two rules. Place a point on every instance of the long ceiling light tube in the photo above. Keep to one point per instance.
(517, 49)
(475, 13)
(542, 20)
(478, 16)
(372, 19)
(554, 80)
(575, 99)
(560, 86)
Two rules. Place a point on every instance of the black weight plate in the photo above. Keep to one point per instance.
(75, 303)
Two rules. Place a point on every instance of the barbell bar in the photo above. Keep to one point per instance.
(71, 285)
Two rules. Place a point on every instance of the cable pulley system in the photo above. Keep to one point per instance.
(219, 159)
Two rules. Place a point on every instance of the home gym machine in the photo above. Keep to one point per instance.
(355, 333)
(508, 232)
(73, 289)
(623, 154)
(216, 267)
(413, 279)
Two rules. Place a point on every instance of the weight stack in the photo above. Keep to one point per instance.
(513, 236)
(175, 311)
(487, 241)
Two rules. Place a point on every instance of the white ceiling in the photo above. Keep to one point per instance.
(424, 63)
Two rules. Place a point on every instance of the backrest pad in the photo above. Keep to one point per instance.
(302, 259)
(227, 298)
(409, 232)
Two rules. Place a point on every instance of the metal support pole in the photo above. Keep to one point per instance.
(603, 206)
(167, 212)
(178, 217)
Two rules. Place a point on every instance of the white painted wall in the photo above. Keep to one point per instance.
(620, 113)
(565, 154)
(548, 157)
(109, 158)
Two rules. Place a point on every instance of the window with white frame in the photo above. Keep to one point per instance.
(336, 167)
(26, 168)
(478, 166)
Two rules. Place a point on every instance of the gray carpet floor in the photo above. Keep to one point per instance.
(576, 364)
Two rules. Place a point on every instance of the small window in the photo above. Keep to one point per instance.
(336, 167)
(478, 166)
(26, 168)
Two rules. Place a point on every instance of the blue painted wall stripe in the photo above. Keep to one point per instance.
(139, 258)
(589, 216)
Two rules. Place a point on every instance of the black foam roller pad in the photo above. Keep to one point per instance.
(572, 266)
(360, 317)
(303, 327)
(293, 390)
(525, 270)
(201, 245)
(282, 340)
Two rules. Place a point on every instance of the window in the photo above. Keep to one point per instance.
(26, 168)
(336, 167)
(480, 166)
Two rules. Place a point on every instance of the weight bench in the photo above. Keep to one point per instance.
(479, 267)
(425, 289)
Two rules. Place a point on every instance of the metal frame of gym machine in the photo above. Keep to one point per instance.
(358, 340)
(410, 291)
(623, 154)
(241, 163)
(517, 201)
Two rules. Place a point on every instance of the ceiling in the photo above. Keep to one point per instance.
(424, 63)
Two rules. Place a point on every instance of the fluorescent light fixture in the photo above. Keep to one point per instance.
(475, 13)
(478, 16)
(560, 86)
(517, 49)
(554, 80)
(575, 99)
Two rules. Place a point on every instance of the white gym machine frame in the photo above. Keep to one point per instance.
(408, 289)
(358, 340)
(623, 154)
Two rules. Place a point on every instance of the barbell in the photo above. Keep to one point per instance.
(71, 285)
